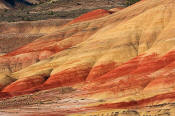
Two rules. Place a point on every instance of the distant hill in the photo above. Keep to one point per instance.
(7, 4)
(31, 10)
(3, 5)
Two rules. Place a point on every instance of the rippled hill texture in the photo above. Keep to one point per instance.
(117, 62)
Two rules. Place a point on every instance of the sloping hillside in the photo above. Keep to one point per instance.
(3, 5)
(30, 10)
(17, 34)
(100, 64)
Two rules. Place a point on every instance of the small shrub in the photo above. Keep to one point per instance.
(26, 19)
(65, 90)
(51, 13)
(130, 2)
(6, 10)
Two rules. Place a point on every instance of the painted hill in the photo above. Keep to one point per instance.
(101, 65)
(16, 34)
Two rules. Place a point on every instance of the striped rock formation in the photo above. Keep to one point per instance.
(59, 39)
(123, 60)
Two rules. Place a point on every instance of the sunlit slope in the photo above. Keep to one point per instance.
(125, 59)
(64, 37)
(115, 43)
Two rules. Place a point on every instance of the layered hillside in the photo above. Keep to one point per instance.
(18, 34)
(101, 63)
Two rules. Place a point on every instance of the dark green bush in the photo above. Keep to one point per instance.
(130, 2)
(26, 19)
